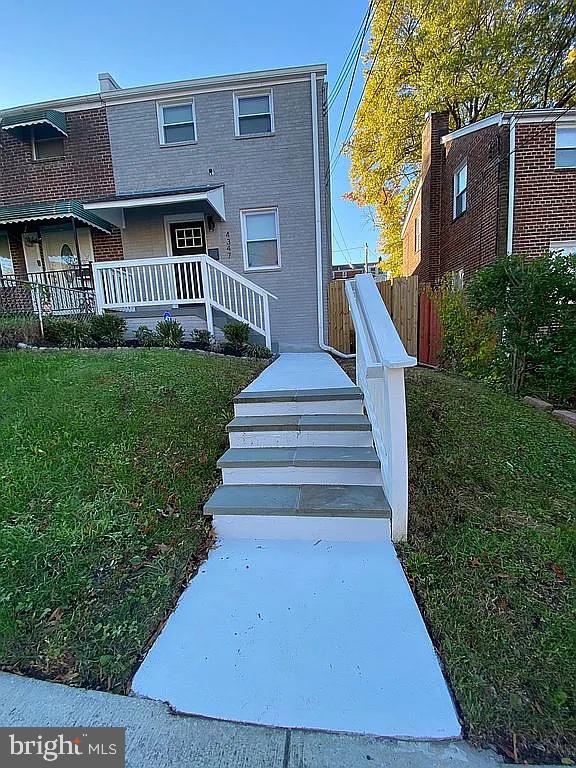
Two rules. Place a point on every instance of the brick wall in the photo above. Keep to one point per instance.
(85, 173)
(432, 160)
(411, 257)
(545, 196)
(475, 237)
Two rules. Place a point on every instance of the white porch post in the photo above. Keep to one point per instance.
(267, 329)
(207, 294)
(98, 287)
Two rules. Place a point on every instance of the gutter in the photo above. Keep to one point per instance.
(511, 183)
(318, 223)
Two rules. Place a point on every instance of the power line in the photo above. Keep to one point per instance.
(345, 69)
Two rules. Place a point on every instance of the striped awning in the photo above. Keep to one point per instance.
(61, 209)
(36, 117)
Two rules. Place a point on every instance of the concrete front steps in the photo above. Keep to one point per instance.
(301, 465)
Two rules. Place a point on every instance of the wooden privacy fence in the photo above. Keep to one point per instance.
(413, 313)
(401, 299)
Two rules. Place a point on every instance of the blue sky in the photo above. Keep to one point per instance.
(57, 49)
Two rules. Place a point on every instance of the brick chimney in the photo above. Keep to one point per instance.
(435, 127)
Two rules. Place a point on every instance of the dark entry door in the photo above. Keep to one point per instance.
(188, 238)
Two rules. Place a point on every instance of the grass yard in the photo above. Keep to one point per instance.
(105, 461)
(492, 557)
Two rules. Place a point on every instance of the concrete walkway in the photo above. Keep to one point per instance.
(157, 738)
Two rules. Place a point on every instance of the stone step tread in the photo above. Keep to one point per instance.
(299, 395)
(304, 500)
(311, 456)
(295, 423)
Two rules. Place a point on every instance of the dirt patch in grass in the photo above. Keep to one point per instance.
(105, 462)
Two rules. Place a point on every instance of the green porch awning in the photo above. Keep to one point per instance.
(62, 209)
(36, 117)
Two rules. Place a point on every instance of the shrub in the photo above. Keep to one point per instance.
(202, 338)
(18, 329)
(107, 330)
(146, 337)
(67, 332)
(237, 334)
(257, 350)
(170, 333)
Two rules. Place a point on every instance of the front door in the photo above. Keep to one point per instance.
(187, 238)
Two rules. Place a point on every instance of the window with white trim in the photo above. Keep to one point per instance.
(253, 113)
(565, 247)
(47, 143)
(6, 263)
(460, 186)
(417, 233)
(566, 146)
(260, 238)
(177, 122)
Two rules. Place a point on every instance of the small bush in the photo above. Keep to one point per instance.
(146, 337)
(107, 330)
(18, 329)
(237, 334)
(202, 339)
(170, 333)
(258, 350)
(67, 332)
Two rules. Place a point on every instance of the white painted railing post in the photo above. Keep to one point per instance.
(207, 291)
(380, 362)
(267, 327)
(98, 288)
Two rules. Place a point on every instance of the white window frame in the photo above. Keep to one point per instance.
(248, 211)
(248, 94)
(177, 218)
(457, 172)
(188, 101)
(556, 147)
(418, 233)
(563, 245)
(10, 255)
(53, 138)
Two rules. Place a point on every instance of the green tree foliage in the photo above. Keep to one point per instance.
(471, 58)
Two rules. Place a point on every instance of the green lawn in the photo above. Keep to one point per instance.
(492, 556)
(105, 461)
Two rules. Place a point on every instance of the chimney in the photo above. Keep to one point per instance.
(435, 127)
(107, 82)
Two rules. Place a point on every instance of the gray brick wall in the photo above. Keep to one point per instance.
(256, 172)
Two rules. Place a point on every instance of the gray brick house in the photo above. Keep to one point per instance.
(219, 205)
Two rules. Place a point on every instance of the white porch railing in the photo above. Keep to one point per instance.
(380, 362)
(176, 280)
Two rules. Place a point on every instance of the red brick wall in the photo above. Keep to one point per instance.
(85, 173)
(411, 258)
(545, 196)
(476, 236)
(431, 174)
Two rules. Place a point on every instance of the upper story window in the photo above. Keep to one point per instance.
(460, 186)
(260, 238)
(253, 113)
(566, 146)
(47, 144)
(417, 233)
(177, 122)
(6, 263)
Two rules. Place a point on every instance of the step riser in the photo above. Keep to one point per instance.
(294, 439)
(300, 475)
(301, 528)
(313, 408)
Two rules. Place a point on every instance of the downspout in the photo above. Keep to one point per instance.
(318, 222)
(511, 182)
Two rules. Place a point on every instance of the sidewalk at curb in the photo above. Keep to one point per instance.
(159, 738)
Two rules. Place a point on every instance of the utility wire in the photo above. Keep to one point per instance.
(341, 79)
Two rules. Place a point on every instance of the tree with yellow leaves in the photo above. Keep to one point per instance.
(471, 58)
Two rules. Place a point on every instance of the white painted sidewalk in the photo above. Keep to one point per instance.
(302, 635)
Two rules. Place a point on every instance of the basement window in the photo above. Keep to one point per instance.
(47, 144)
(566, 146)
(460, 186)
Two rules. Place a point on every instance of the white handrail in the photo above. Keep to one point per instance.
(177, 280)
(380, 362)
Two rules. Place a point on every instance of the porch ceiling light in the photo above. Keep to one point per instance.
(51, 117)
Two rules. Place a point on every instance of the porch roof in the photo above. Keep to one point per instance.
(211, 198)
(60, 209)
(51, 117)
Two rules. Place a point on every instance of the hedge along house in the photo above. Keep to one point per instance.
(207, 198)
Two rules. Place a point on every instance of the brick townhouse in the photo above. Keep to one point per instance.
(504, 184)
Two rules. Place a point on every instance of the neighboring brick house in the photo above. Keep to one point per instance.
(212, 191)
(462, 215)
